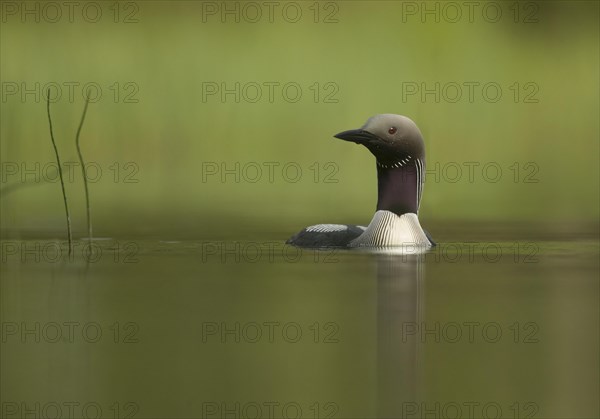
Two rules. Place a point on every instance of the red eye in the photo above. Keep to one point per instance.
(392, 130)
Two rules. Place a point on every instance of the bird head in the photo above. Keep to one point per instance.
(393, 139)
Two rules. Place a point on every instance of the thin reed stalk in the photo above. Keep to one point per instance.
(83, 173)
(62, 182)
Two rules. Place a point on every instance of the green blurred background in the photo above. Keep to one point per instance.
(172, 49)
(154, 140)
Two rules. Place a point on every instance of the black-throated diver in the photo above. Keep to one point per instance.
(397, 145)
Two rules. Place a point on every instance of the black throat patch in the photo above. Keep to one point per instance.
(399, 185)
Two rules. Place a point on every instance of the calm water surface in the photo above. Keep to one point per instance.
(191, 329)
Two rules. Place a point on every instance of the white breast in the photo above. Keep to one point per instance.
(389, 229)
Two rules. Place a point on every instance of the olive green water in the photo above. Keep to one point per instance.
(192, 329)
(192, 306)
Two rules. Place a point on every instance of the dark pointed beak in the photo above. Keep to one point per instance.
(358, 136)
